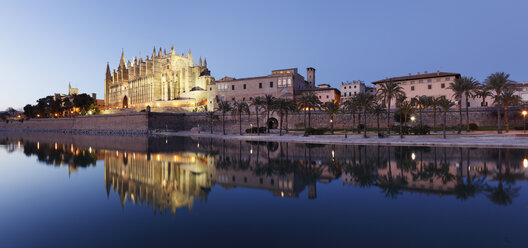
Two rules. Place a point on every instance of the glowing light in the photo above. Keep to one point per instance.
(56, 147)
(158, 157)
(38, 115)
(524, 112)
(333, 153)
(525, 163)
(413, 118)
(193, 158)
(250, 151)
(38, 145)
(166, 141)
(413, 156)
(90, 149)
(282, 193)
(198, 145)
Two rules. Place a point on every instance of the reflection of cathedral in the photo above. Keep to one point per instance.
(163, 80)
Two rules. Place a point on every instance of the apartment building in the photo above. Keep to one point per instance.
(326, 93)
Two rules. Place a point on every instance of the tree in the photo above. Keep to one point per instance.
(350, 106)
(240, 108)
(405, 110)
(483, 92)
(509, 99)
(332, 108)
(309, 101)
(433, 103)
(84, 102)
(67, 104)
(388, 91)
(29, 110)
(11, 111)
(497, 82)
(269, 101)
(422, 102)
(445, 105)
(224, 107)
(470, 89)
(365, 101)
(281, 107)
(378, 110)
(258, 104)
(211, 118)
(458, 87)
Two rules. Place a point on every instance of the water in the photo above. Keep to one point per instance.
(89, 191)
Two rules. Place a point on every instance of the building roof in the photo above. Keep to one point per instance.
(321, 89)
(418, 76)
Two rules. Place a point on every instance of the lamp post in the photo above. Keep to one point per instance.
(524, 112)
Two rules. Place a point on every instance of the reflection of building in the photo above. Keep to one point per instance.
(161, 180)
(163, 80)
(284, 83)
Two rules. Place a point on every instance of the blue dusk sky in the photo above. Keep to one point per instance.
(46, 44)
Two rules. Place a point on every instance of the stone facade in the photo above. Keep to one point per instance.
(166, 79)
(350, 89)
(430, 84)
(326, 94)
(284, 83)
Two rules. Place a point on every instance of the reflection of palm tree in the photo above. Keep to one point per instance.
(389, 186)
(500, 194)
(469, 188)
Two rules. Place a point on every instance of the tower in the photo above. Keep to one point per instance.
(310, 75)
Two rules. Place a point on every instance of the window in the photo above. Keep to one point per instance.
(429, 80)
(251, 98)
(211, 89)
(350, 93)
(412, 82)
(429, 87)
(326, 96)
(244, 86)
(233, 99)
(271, 84)
(354, 86)
(243, 98)
(232, 87)
(260, 85)
(442, 86)
(319, 97)
(289, 82)
(421, 81)
(412, 88)
(447, 79)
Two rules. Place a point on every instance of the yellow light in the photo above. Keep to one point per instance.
(38, 115)
(413, 118)
(525, 163)
(282, 193)
(158, 157)
(524, 112)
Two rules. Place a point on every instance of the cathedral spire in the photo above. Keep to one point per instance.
(205, 62)
(159, 52)
(154, 52)
(122, 61)
(189, 53)
(200, 61)
(172, 50)
(108, 74)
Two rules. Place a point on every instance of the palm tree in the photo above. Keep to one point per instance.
(422, 102)
(350, 106)
(224, 107)
(470, 89)
(211, 118)
(332, 108)
(509, 99)
(433, 103)
(240, 108)
(258, 104)
(281, 107)
(445, 105)
(292, 107)
(458, 87)
(388, 91)
(378, 110)
(269, 101)
(308, 102)
(405, 109)
(365, 101)
(483, 92)
(497, 82)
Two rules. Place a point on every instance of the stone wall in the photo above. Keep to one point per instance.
(143, 122)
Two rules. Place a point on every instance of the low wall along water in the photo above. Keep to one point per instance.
(142, 123)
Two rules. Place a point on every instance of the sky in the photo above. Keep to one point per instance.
(44, 45)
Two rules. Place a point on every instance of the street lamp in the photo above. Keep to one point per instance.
(413, 118)
(524, 112)
(525, 163)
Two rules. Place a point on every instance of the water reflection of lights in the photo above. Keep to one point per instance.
(525, 163)
(250, 151)
(282, 193)
(198, 145)
(38, 145)
(413, 156)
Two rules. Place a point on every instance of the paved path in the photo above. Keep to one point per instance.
(466, 140)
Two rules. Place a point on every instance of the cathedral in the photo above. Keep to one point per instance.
(164, 80)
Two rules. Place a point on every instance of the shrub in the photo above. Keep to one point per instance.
(406, 129)
(315, 131)
(256, 130)
(473, 126)
(361, 126)
(421, 130)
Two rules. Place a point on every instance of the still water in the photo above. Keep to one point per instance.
(88, 191)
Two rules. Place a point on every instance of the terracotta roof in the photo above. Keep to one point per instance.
(320, 89)
(418, 76)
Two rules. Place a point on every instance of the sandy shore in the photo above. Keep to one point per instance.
(467, 140)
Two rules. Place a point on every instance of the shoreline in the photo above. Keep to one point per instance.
(477, 141)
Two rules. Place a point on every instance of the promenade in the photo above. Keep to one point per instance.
(513, 139)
